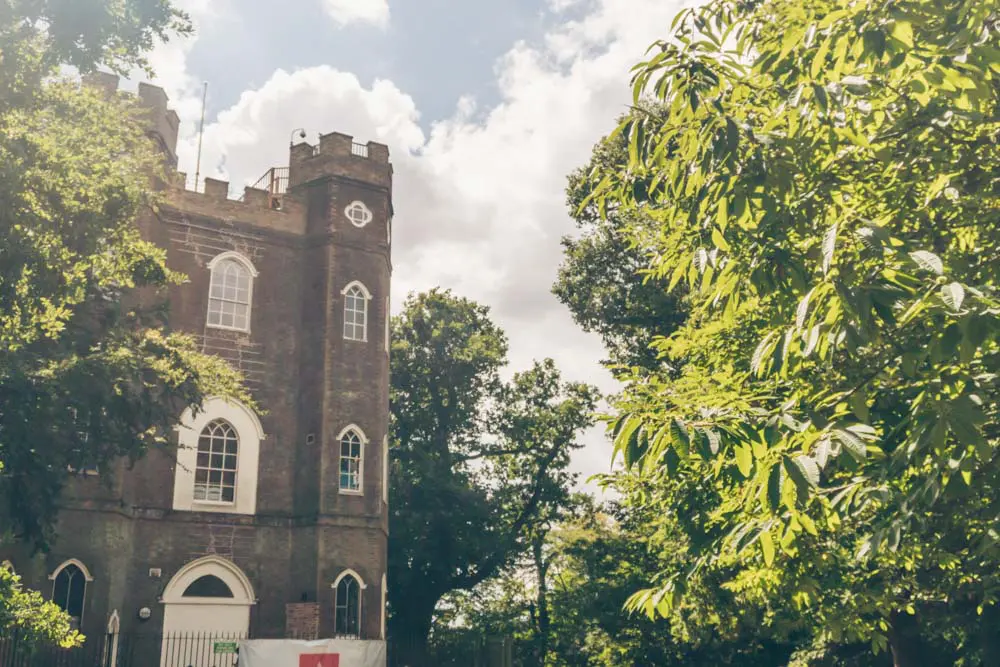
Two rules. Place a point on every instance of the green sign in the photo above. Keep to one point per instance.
(224, 647)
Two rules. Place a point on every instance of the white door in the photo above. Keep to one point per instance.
(207, 612)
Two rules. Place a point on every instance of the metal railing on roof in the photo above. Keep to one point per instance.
(274, 181)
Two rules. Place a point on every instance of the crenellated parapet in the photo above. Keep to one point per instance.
(272, 202)
(339, 155)
(164, 123)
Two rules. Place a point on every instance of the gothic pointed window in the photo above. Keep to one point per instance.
(69, 590)
(215, 474)
(356, 311)
(230, 292)
(347, 619)
(351, 461)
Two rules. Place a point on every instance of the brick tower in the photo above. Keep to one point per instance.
(267, 525)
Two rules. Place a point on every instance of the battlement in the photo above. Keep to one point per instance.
(338, 154)
(164, 121)
(265, 203)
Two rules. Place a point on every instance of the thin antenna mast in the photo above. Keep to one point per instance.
(201, 132)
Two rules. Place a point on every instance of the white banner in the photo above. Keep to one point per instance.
(319, 653)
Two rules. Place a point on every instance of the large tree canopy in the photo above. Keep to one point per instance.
(602, 279)
(88, 371)
(828, 193)
(476, 459)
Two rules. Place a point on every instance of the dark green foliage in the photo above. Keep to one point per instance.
(602, 279)
(88, 373)
(476, 460)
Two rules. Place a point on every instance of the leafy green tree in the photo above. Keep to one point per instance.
(827, 192)
(88, 371)
(601, 278)
(476, 460)
(29, 615)
(568, 612)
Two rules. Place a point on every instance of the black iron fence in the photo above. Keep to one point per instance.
(220, 650)
(124, 650)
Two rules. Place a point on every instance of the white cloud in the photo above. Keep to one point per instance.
(480, 200)
(344, 12)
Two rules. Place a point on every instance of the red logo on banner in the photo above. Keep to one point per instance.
(319, 660)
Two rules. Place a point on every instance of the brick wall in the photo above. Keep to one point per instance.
(309, 382)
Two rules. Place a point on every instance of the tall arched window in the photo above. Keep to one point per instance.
(231, 292)
(356, 298)
(218, 447)
(347, 619)
(215, 474)
(351, 460)
(69, 589)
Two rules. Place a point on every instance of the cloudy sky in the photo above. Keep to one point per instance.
(486, 105)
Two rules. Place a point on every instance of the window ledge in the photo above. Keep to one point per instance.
(349, 492)
(211, 504)
(225, 328)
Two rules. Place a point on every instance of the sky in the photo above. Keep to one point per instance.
(486, 106)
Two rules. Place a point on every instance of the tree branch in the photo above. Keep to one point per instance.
(492, 564)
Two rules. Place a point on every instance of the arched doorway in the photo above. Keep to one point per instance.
(207, 609)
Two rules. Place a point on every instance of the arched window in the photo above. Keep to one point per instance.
(230, 292)
(69, 589)
(358, 213)
(356, 311)
(347, 619)
(215, 474)
(351, 460)
(218, 452)
(207, 586)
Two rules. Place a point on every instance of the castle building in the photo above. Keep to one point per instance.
(270, 525)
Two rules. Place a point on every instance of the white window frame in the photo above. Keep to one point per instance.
(368, 297)
(361, 596)
(385, 470)
(358, 206)
(249, 433)
(360, 491)
(231, 255)
(385, 594)
(87, 578)
(210, 467)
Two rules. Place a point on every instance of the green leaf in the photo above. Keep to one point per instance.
(859, 406)
(903, 31)
(763, 350)
(627, 437)
(803, 471)
(808, 524)
(633, 447)
(802, 311)
(719, 240)
(953, 294)
(767, 547)
(823, 451)
(829, 246)
(853, 444)
(680, 438)
(722, 217)
(774, 488)
(928, 261)
(744, 459)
